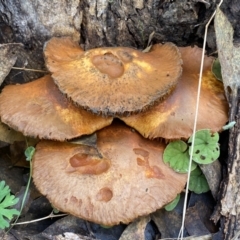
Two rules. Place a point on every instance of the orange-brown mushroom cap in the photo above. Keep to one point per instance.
(115, 81)
(174, 117)
(39, 109)
(124, 179)
(64, 50)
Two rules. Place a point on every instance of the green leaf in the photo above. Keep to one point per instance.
(198, 183)
(55, 210)
(172, 204)
(177, 156)
(6, 200)
(105, 226)
(206, 147)
(29, 152)
(229, 125)
(4, 190)
(216, 69)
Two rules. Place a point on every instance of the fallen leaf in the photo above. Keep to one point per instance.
(169, 223)
(213, 175)
(136, 230)
(71, 236)
(8, 56)
(9, 135)
(204, 204)
(194, 224)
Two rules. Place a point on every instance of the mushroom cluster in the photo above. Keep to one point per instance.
(122, 176)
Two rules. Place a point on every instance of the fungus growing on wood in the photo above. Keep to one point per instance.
(173, 118)
(114, 81)
(39, 109)
(122, 179)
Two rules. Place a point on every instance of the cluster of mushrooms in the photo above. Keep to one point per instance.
(123, 175)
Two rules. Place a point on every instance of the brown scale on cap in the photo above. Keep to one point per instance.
(114, 81)
(173, 118)
(132, 180)
(39, 109)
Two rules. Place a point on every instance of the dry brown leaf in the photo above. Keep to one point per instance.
(9, 135)
(135, 230)
(8, 56)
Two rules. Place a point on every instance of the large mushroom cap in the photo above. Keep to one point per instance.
(124, 179)
(174, 117)
(114, 81)
(39, 109)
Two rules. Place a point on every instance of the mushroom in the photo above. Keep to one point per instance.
(123, 178)
(173, 118)
(64, 50)
(39, 109)
(114, 80)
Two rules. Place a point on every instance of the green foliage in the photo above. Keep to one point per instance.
(172, 204)
(29, 152)
(198, 183)
(206, 148)
(177, 156)
(6, 201)
(229, 125)
(216, 69)
(105, 226)
(55, 210)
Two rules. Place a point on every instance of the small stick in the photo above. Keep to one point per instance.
(51, 215)
(29, 69)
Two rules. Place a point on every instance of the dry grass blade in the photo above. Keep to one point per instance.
(205, 237)
(195, 122)
(29, 69)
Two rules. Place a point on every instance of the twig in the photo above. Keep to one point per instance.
(180, 236)
(29, 69)
(51, 215)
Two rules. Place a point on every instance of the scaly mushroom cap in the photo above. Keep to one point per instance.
(173, 118)
(123, 179)
(114, 81)
(39, 109)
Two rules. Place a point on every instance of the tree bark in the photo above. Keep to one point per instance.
(229, 56)
(231, 196)
(97, 23)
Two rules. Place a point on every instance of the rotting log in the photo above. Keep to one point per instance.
(229, 56)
